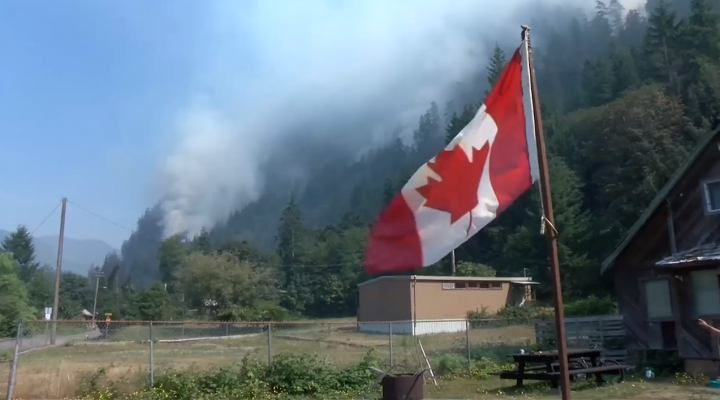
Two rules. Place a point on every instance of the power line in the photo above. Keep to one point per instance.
(45, 220)
(100, 216)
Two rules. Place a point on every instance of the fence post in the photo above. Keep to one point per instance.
(467, 342)
(13, 367)
(390, 342)
(269, 343)
(152, 359)
(227, 329)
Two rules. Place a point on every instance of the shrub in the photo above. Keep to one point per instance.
(452, 366)
(591, 306)
(524, 313)
(290, 375)
(479, 314)
(261, 312)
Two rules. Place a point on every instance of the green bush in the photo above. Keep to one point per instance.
(590, 306)
(479, 314)
(289, 376)
(261, 312)
(524, 313)
(452, 366)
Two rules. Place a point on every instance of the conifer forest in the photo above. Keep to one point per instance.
(626, 95)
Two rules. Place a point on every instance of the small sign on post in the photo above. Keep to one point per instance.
(48, 313)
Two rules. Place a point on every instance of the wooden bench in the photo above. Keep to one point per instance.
(531, 369)
(554, 377)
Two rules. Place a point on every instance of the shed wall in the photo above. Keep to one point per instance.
(385, 300)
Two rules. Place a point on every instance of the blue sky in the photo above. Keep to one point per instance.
(117, 103)
(86, 88)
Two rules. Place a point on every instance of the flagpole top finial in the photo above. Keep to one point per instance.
(524, 35)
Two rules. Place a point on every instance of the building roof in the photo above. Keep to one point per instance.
(518, 280)
(706, 252)
(657, 201)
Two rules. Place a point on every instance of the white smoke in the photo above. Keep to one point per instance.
(271, 66)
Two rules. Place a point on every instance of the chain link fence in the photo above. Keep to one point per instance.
(132, 354)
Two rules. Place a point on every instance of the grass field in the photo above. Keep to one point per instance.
(60, 372)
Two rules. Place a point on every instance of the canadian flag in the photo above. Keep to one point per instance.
(485, 168)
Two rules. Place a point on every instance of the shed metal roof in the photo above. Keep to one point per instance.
(706, 252)
(518, 280)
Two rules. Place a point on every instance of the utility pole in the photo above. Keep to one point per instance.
(58, 271)
(98, 275)
(452, 260)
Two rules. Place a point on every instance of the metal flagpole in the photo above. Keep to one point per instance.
(549, 224)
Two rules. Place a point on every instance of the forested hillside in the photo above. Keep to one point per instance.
(625, 96)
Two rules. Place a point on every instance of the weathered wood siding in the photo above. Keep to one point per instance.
(641, 334)
(685, 204)
(692, 226)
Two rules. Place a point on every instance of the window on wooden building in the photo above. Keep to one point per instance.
(711, 195)
(657, 298)
(472, 285)
(707, 292)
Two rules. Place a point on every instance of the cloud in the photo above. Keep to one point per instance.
(285, 73)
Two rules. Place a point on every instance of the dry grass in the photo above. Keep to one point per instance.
(58, 372)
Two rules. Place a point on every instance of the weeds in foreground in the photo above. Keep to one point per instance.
(307, 377)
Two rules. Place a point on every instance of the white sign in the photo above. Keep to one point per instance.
(48, 313)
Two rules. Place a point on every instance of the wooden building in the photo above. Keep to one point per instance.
(421, 305)
(666, 270)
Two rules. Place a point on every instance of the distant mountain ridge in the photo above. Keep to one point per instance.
(78, 254)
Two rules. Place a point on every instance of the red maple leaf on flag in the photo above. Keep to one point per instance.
(457, 191)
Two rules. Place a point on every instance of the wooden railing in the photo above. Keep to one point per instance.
(606, 331)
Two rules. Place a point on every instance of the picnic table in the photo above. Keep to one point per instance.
(548, 370)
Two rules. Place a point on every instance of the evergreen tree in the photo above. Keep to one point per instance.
(700, 34)
(527, 247)
(496, 66)
(388, 191)
(598, 82)
(633, 29)
(289, 233)
(458, 122)
(172, 253)
(20, 245)
(615, 12)
(625, 75)
(600, 30)
(662, 46)
(153, 304)
(40, 288)
(75, 295)
(202, 243)
(428, 138)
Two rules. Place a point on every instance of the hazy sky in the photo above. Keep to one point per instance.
(116, 103)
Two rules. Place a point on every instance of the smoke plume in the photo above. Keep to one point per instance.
(339, 74)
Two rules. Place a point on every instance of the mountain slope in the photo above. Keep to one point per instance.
(78, 254)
